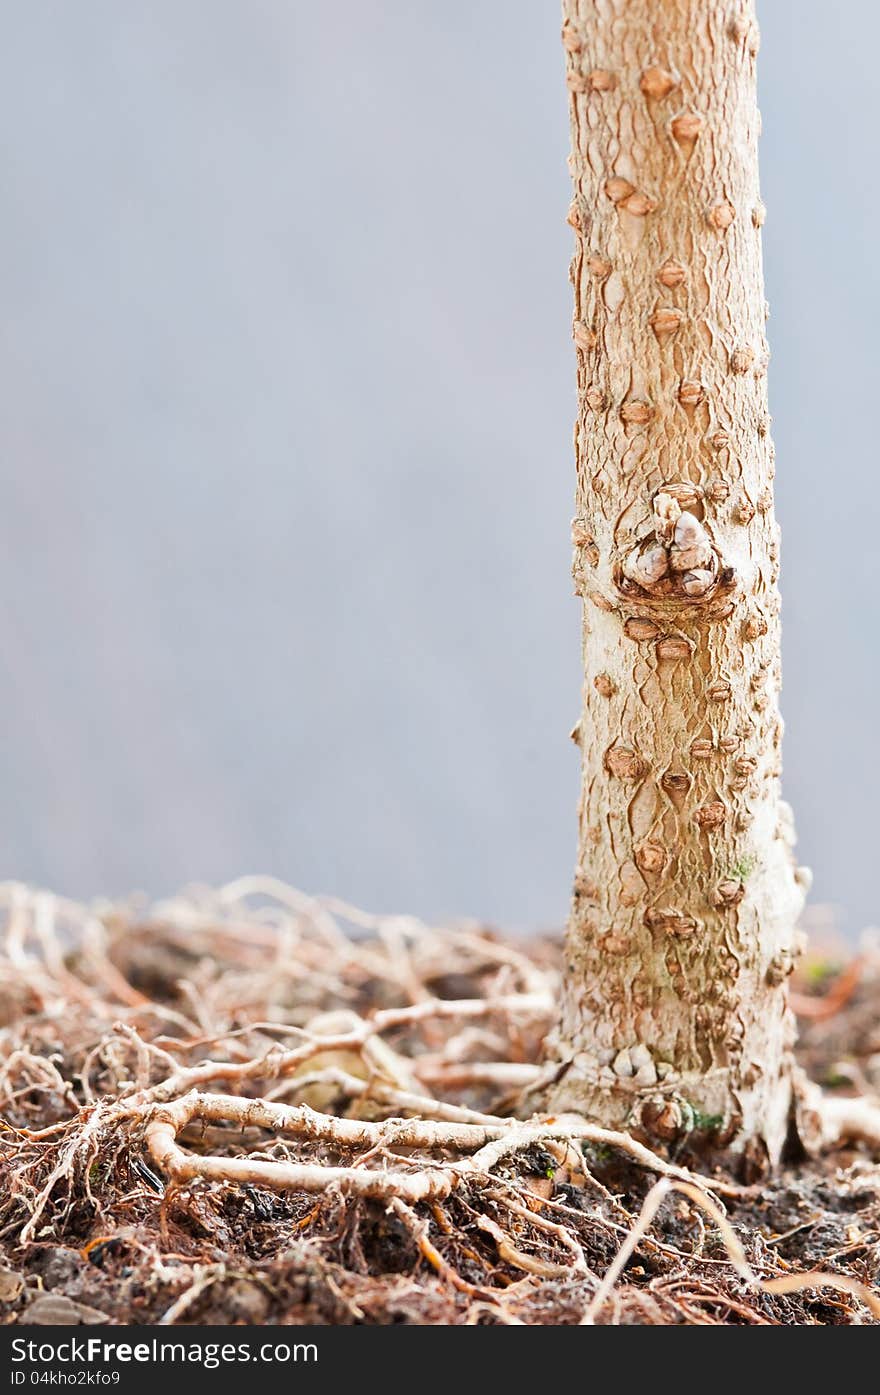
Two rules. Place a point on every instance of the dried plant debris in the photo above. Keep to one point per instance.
(253, 1106)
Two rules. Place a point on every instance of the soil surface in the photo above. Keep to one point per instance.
(101, 1009)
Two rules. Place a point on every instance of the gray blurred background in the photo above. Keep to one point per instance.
(287, 394)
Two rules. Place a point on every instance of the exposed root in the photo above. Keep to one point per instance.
(492, 1141)
(828, 1121)
(844, 1120)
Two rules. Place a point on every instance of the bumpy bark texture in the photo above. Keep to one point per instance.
(682, 931)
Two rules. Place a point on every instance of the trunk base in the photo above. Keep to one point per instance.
(698, 1116)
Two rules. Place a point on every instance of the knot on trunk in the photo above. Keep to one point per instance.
(676, 561)
(670, 921)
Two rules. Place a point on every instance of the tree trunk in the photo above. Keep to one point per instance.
(682, 929)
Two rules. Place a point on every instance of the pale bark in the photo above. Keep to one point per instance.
(682, 930)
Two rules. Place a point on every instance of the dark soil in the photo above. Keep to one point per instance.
(114, 1242)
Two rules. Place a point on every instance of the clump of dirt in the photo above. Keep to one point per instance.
(280, 1193)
